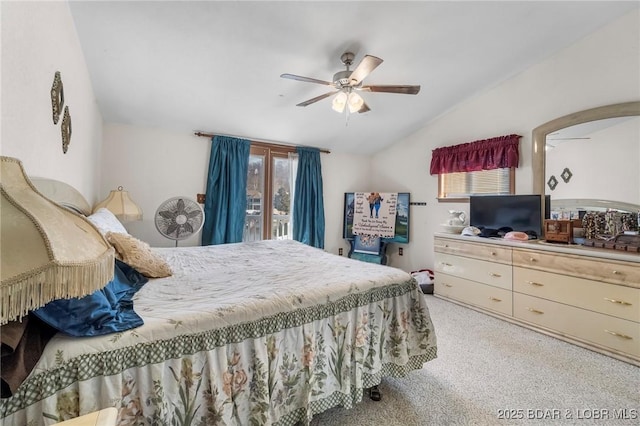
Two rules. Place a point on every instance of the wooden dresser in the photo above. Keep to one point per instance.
(586, 296)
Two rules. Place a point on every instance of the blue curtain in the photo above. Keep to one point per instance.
(226, 197)
(308, 204)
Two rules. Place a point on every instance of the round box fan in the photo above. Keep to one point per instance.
(178, 218)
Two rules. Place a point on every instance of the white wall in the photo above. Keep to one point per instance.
(38, 39)
(601, 69)
(341, 173)
(153, 165)
(156, 164)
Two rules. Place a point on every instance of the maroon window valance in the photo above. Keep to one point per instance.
(487, 154)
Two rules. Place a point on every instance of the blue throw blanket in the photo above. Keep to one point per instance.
(108, 310)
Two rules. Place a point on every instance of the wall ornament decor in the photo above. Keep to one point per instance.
(57, 97)
(552, 182)
(566, 175)
(66, 130)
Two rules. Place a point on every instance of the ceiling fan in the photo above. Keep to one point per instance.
(347, 83)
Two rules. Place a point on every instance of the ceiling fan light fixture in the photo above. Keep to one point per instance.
(339, 102)
(355, 102)
(345, 82)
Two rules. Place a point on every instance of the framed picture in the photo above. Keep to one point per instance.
(366, 244)
(402, 218)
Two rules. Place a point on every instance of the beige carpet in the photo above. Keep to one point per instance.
(491, 372)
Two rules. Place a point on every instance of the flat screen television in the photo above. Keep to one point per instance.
(519, 212)
(402, 218)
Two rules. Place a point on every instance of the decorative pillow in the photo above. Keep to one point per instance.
(105, 311)
(106, 222)
(138, 254)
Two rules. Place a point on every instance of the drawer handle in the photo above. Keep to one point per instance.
(616, 272)
(446, 246)
(493, 253)
(445, 264)
(495, 299)
(535, 311)
(493, 274)
(532, 259)
(535, 283)
(624, 336)
(621, 302)
(448, 285)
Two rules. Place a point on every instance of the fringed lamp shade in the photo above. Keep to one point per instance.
(121, 205)
(46, 251)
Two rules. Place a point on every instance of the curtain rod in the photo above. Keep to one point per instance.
(210, 135)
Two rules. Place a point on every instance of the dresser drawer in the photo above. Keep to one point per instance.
(615, 333)
(619, 301)
(473, 293)
(474, 250)
(495, 274)
(609, 271)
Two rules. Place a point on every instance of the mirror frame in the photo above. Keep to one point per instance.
(539, 134)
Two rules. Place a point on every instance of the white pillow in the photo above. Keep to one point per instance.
(106, 222)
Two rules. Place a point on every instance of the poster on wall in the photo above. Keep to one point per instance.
(374, 214)
(402, 218)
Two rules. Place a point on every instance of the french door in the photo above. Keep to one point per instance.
(270, 190)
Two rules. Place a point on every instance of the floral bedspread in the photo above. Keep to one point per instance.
(262, 333)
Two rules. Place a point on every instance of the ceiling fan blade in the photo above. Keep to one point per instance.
(366, 65)
(405, 90)
(307, 79)
(316, 99)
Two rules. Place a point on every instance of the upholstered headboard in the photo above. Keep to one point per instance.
(63, 194)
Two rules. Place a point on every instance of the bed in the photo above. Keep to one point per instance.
(262, 333)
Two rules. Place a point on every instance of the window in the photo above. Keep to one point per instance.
(480, 167)
(459, 186)
(269, 192)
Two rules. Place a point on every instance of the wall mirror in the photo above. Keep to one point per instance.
(599, 150)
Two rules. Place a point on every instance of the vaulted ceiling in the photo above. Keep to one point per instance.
(215, 66)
